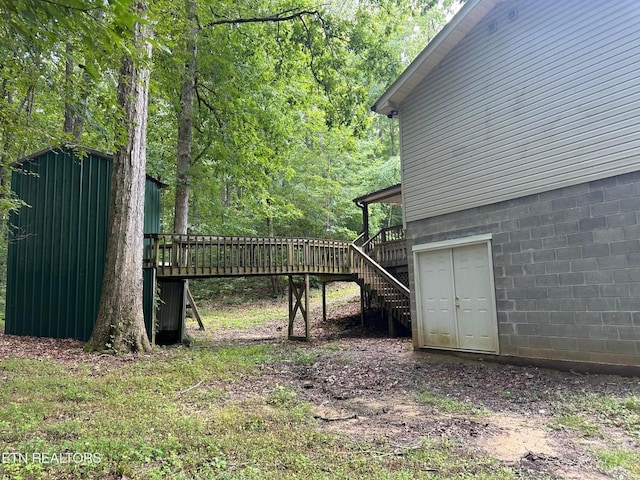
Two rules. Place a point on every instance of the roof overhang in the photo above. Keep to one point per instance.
(69, 148)
(390, 195)
(471, 13)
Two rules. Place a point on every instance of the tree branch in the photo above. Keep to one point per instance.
(312, 57)
(203, 101)
(71, 7)
(197, 158)
(276, 18)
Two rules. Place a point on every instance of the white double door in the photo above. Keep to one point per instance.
(455, 298)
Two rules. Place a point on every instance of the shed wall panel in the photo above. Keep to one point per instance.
(58, 242)
(57, 247)
(547, 100)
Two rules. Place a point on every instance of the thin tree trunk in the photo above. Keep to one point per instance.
(185, 124)
(185, 136)
(75, 103)
(5, 171)
(69, 115)
(275, 283)
(120, 323)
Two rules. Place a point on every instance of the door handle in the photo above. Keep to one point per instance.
(457, 302)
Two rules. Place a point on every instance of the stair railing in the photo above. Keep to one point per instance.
(393, 295)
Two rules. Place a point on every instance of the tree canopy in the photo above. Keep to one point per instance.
(258, 111)
(281, 122)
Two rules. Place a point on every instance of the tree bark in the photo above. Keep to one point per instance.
(120, 323)
(185, 124)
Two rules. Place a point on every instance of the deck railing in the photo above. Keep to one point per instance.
(388, 247)
(192, 256)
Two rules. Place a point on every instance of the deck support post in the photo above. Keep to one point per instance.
(183, 312)
(301, 303)
(156, 301)
(324, 302)
(391, 323)
(361, 305)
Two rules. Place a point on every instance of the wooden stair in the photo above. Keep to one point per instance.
(383, 287)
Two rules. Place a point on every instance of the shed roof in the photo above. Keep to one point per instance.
(68, 148)
(460, 25)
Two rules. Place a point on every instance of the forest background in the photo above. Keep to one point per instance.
(259, 112)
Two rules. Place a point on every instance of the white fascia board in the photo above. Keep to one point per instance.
(455, 242)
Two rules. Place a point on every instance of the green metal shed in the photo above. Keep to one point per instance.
(58, 242)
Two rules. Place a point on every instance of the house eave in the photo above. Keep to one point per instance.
(391, 195)
(460, 25)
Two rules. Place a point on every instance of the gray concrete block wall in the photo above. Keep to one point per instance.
(566, 267)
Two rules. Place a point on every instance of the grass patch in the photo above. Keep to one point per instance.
(177, 414)
(611, 460)
(245, 318)
(576, 423)
(606, 411)
(449, 405)
(346, 290)
(304, 356)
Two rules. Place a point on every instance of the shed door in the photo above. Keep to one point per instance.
(456, 299)
(437, 299)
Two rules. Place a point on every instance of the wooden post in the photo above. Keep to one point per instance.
(386, 315)
(307, 318)
(324, 301)
(154, 314)
(289, 257)
(361, 306)
(292, 315)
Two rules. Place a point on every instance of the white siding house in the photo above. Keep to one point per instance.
(520, 128)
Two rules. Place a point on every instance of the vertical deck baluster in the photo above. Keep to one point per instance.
(235, 262)
(210, 263)
(224, 255)
(220, 256)
(284, 254)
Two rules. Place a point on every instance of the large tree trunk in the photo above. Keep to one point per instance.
(120, 323)
(185, 124)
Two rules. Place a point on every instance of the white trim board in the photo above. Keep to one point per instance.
(454, 242)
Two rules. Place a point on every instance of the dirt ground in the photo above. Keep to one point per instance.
(366, 386)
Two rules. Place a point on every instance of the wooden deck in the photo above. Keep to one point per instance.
(203, 256)
(175, 256)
